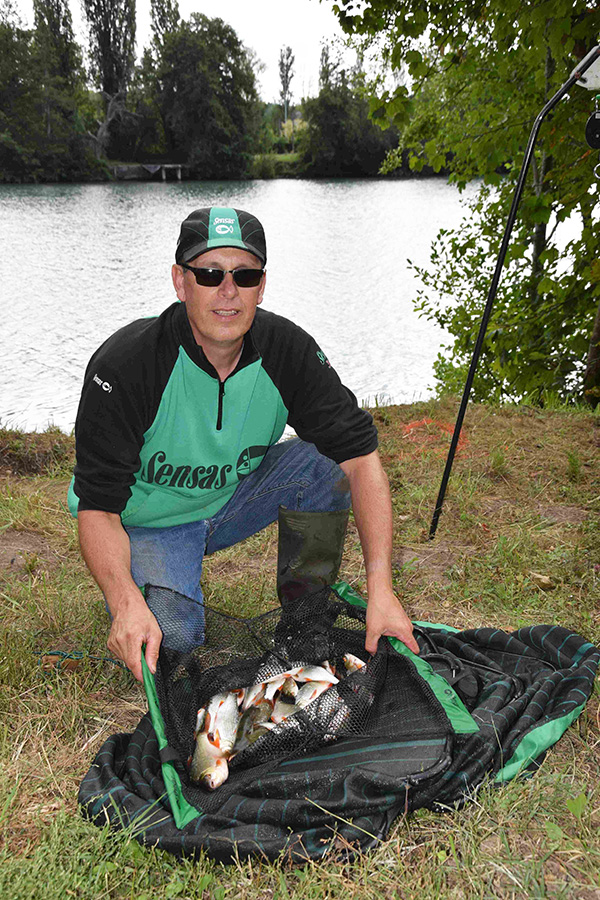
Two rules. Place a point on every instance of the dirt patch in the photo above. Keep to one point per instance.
(571, 515)
(495, 504)
(431, 562)
(24, 552)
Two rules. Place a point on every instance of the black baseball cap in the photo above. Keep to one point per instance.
(220, 226)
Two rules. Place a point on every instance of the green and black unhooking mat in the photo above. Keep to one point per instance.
(421, 731)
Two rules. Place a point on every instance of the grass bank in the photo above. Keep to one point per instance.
(518, 543)
(276, 165)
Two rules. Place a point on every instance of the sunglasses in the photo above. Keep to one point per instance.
(244, 278)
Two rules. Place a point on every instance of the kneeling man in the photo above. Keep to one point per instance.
(177, 452)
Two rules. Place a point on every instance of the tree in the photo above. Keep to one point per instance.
(112, 51)
(58, 58)
(112, 43)
(328, 68)
(481, 71)
(165, 18)
(42, 134)
(286, 73)
(55, 38)
(205, 88)
(339, 139)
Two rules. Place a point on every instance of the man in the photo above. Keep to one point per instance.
(177, 443)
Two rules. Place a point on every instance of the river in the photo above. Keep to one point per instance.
(78, 261)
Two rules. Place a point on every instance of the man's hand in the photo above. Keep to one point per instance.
(385, 616)
(105, 547)
(372, 507)
(132, 626)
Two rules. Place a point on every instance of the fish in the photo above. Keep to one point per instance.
(240, 693)
(352, 663)
(273, 686)
(274, 667)
(309, 692)
(285, 706)
(271, 668)
(254, 694)
(209, 766)
(314, 673)
(250, 723)
(199, 721)
(233, 721)
(223, 718)
(289, 724)
(329, 668)
(289, 688)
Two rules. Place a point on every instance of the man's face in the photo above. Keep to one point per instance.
(220, 316)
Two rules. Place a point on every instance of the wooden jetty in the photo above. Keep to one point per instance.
(147, 171)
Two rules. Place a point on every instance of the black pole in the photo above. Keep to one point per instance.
(573, 78)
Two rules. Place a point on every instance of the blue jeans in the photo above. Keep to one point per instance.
(292, 474)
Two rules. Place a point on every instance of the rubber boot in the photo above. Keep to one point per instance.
(309, 550)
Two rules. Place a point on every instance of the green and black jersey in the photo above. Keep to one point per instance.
(162, 441)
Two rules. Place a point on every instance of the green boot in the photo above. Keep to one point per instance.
(309, 550)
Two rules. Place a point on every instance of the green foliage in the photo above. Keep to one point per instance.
(340, 140)
(42, 133)
(479, 73)
(204, 88)
(263, 166)
(165, 18)
(539, 329)
(112, 42)
(286, 74)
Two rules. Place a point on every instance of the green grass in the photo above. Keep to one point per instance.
(524, 499)
(276, 165)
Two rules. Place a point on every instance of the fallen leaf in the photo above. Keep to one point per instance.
(542, 581)
(56, 661)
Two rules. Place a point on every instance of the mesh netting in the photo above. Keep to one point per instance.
(383, 699)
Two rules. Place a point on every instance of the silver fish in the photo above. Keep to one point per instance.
(329, 668)
(223, 718)
(274, 685)
(253, 696)
(309, 692)
(209, 766)
(289, 688)
(352, 663)
(314, 673)
(285, 706)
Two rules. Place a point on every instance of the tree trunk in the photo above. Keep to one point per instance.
(115, 106)
(591, 379)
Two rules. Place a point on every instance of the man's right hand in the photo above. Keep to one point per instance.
(105, 547)
(132, 626)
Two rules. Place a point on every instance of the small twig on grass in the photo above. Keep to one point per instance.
(60, 790)
(341, 819)
(91, 740)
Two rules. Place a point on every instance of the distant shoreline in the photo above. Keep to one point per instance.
(265, 166)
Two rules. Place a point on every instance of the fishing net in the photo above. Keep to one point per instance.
(400, 733)
(383, 699)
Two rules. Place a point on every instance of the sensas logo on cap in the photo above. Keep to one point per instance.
(224, 226)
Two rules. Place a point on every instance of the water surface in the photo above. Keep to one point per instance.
(79, 261)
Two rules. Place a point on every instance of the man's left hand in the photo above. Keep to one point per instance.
(385, 616)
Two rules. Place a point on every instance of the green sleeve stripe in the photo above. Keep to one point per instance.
(535, 742)
(460, 718)
(183, 812)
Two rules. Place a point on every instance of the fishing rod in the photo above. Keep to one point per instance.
(591, 82)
